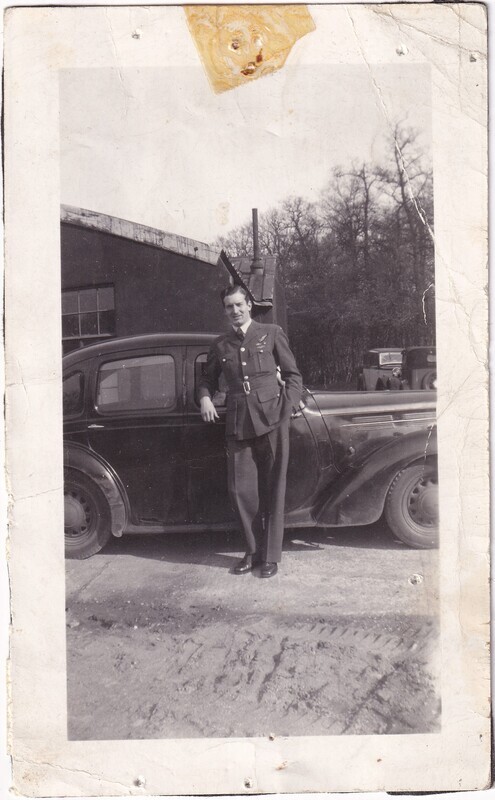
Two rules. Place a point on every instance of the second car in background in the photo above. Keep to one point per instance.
(392, 368)
(377, 367)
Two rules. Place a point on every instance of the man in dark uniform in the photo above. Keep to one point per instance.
(259, 407)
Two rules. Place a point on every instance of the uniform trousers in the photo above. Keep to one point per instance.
(257, 472)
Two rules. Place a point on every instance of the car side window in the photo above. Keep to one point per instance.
(73, 386)
(219, 399)
(137, 384)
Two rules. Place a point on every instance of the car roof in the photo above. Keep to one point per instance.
(116, 344)
(384, 349)
(426, 347)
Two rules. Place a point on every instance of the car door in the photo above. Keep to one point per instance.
(136, 423)
(74, 405)
(205, 454)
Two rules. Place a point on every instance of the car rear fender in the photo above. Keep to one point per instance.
(358, 496)
(90, 464)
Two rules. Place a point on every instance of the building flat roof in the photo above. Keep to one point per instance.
(260, 285)
(135, 231)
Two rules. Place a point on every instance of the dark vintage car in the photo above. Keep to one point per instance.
(376, 368)
(419, 368)
(139, 459)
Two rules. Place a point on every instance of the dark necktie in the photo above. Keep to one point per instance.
(240, 334)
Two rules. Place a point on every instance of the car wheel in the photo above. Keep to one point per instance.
(87, 516)
(411, 506)
(429, 381)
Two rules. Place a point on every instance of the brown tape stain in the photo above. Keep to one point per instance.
(238, 44)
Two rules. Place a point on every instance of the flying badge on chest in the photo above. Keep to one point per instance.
(261, 341)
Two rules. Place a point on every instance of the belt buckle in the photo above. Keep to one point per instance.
(246, 387)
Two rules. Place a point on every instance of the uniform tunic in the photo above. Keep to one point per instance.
(257, 427)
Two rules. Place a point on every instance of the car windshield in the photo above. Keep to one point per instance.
(394, 357)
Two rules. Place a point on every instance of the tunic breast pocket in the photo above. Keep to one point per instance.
(226, 362)
(229, 367)
(264, 360)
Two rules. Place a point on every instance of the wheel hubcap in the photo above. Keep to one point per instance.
(78, 513)
(423, 503)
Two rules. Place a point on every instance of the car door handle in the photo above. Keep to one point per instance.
(95, 425)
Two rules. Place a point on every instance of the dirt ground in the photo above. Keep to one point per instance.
(164, 641)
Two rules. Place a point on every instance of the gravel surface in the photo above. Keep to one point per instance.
(164, 641)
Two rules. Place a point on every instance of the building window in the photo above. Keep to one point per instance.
(88, 313)
(137, 384)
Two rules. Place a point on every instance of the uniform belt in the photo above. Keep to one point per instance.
(248, 387)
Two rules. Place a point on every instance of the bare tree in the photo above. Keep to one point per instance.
(358, 265)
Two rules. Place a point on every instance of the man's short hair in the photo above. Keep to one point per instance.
(233, 290)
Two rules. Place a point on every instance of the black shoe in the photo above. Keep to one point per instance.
(268, 569)
(246, 564)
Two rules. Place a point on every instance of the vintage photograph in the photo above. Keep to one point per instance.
(246, 347)
(249, 383)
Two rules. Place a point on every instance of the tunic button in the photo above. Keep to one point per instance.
(242, 349)
(246, 377)
(244, 363)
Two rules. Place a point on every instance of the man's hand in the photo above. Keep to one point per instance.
(208, 410)
(298, 411)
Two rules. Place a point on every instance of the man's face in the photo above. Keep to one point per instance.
(237, 308)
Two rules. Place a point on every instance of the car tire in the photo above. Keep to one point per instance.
(87, 516)
(411, 506)
(429, 381)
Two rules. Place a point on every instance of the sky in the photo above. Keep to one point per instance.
(157, 146)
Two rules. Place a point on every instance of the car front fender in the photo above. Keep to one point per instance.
(358, 496)
(90, 464)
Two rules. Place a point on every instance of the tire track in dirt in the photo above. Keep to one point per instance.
(218, 674)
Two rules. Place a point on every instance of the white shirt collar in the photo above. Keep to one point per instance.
(244, 327)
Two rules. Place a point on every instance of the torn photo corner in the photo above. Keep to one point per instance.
(327, 165)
